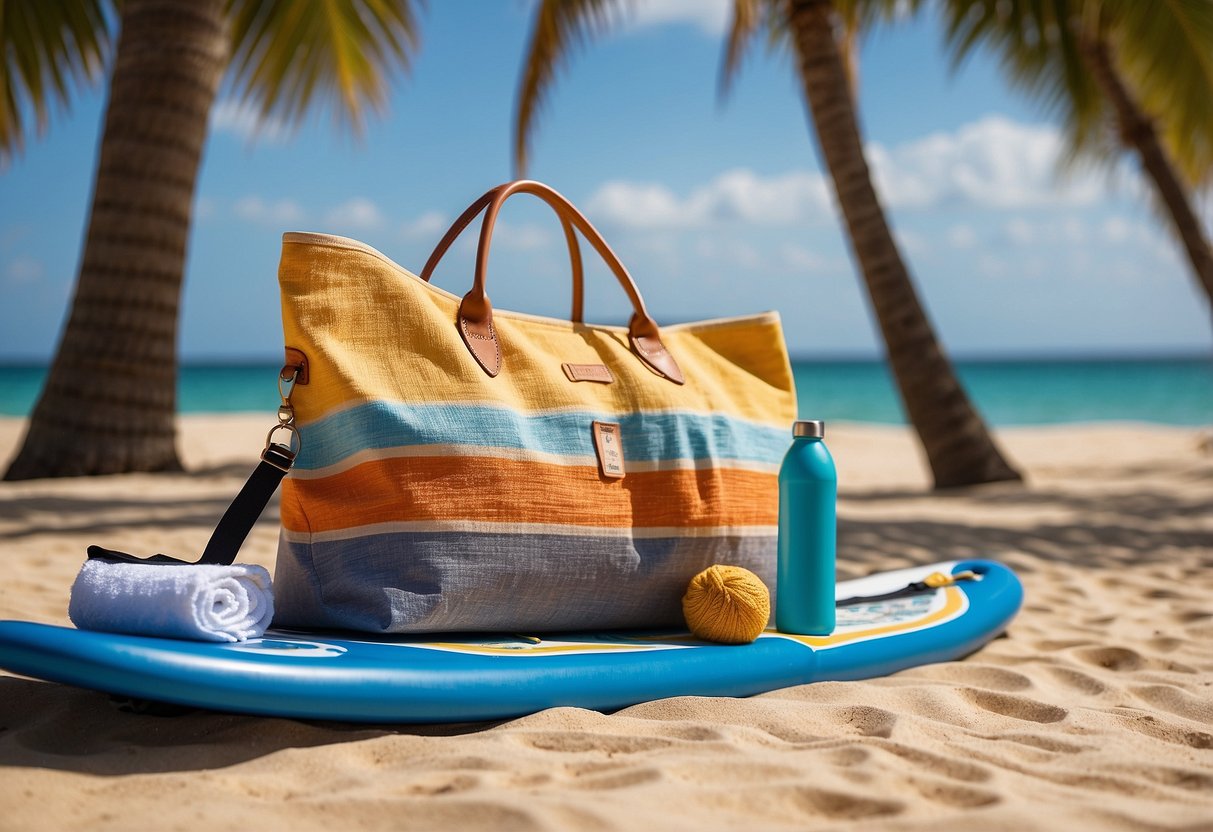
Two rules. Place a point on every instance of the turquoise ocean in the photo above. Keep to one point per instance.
(1173, 391)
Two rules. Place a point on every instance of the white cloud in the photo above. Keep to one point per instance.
(11, 236)
(525, 237)
(992, 267)
(800, 259)
(1073, 230)
(279, 213)
(789, 198)
(664, 253)
(1116, 230)
(639, 205)
(991, 163)
(736, 195)
(1070, 231)
(729, 252)
(709, 16)
(912, 243)
(359, 213)
(1020, 231)
(244, 120)
(429, 225)
(204, 208)
(23, 270)
(1167, 250)
(961, 236)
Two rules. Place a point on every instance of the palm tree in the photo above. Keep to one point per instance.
(109, 401)
(958, 446)
(1145, 69)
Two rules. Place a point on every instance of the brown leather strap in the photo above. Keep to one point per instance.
(570, 238)
(475, 320)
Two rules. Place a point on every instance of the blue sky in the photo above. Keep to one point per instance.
(717, 208)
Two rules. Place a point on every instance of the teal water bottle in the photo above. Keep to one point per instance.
(808, 491)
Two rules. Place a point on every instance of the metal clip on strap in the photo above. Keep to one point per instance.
(242, 514)
(237, 521)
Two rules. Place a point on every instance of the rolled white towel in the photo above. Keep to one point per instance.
(203, 601)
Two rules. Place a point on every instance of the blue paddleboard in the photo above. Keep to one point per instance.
(454, 678)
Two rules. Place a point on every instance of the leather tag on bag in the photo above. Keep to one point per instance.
(609, 444)
(600, 373)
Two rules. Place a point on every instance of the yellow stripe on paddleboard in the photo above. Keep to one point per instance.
(955, 603)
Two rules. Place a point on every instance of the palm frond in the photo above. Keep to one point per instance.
(48, 48)
(286, 55)
(746, 17)
(560, 26)
(862, 15)
(1165, 50)
(1036, 43)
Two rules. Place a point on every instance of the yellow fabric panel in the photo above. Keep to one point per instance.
(373, 331)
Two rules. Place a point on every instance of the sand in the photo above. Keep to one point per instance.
(1095, 711)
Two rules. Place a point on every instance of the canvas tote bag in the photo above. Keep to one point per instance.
(464, 468)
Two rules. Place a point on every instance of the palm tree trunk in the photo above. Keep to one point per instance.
(110, 398)
(1137, 131)
(958, 446)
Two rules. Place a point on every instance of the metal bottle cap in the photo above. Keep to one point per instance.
(809, 427)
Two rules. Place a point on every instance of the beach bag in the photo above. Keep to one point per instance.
(464, 468)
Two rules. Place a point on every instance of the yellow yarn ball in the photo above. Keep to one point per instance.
(727, 604)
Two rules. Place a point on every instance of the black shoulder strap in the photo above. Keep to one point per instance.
(237, 521)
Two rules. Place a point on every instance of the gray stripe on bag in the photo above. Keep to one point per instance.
(464, 581)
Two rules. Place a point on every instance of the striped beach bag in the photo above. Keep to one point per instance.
(464, 468)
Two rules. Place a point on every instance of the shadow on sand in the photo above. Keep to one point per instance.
(59, 727)
(52, 726)
(37, 515)
(1126, 528)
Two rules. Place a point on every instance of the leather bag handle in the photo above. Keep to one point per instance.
(475, 318)
(570, 237)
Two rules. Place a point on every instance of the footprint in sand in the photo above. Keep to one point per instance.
(849, 755)
(1152, 726)
(1015, 707)
(1053, 645)
(977, 675)
(1165, 644)
(864, 720)
(1077, 680)
(952, 794)
(442, 783)
(794, 804)
(837, 805)
(1045, 742)
(949, 767)
(1120, 659)
(1177, 701)
(618, 779)
(572, 742)
(1180, 778)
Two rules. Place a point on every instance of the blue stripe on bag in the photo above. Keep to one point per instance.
(649, 437)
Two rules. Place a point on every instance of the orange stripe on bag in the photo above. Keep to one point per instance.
(488, 489)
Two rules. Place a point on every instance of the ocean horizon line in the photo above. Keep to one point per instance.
(1175, 390)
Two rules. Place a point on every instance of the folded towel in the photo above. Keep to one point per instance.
(206, 602)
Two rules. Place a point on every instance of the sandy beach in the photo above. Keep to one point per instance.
(1095, 711)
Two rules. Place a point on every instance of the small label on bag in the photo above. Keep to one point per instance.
(588, 372)
(609, 445)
